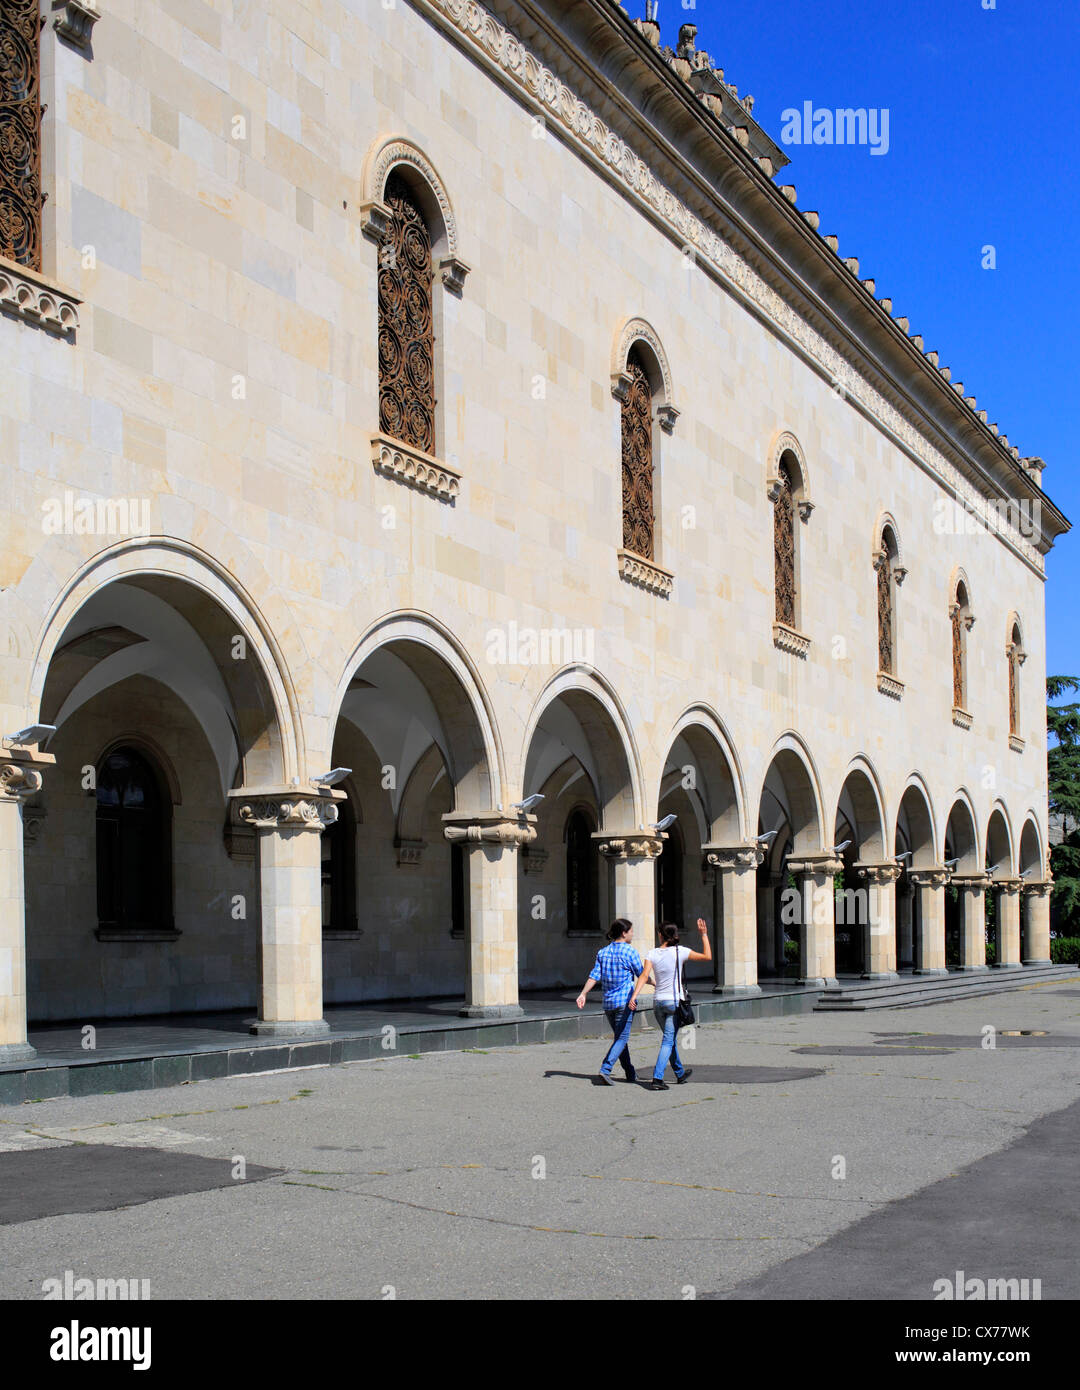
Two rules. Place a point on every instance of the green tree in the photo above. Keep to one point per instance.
(1063, 777)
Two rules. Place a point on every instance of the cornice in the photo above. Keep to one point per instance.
(477, 29)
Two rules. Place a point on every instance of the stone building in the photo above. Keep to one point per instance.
(414, 408)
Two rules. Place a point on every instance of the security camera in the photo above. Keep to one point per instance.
(528, 803)
(332, 778)
(33, 733)
(663, 824)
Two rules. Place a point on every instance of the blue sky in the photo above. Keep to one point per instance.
(984, 112)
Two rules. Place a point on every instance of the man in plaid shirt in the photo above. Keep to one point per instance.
(618, 967)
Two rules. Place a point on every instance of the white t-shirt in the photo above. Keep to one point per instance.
(663, 964)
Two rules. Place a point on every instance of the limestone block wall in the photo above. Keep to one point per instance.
(206, 173)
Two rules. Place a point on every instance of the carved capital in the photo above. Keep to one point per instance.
(632, 846)
(971, 883)
(1038, 888)
(817, 865)
(805, 507)
(1009, 886)
(773, 489)
(899, 574)
(18, 779)
(489, 828)
(880, 875)
(76, 22)
(409, 852)
(936, 876)
(452, 271)
(621, 382)
(285, 809)
(733, 857)
(667, 415)
(375, 221)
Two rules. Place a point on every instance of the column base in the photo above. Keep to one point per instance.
(304, 1028)
(970, 969)
(491, 1011)
(879, 976)
(1037, 962)
(17, 1052)
(1006, 965)
(820, 982)
(925, 970)
(737, 991)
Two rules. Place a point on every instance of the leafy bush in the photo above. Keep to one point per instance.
(1065, 950)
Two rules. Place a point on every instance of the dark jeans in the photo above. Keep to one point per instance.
(621, 1021)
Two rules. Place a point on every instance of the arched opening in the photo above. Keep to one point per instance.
(637, 430)
(669, 879)
(1032, 870)
(411, 726)
(914, 849)
(859, 836)
(577, 758)
(162, 707)
(788, 811)
(999, 865)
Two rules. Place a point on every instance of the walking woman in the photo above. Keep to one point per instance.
(664, 967)
(618, 965)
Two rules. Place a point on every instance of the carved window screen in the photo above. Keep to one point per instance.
(20, 133)
(957, 657)
(784, 547)
(406, 332)
(885, 610)
(637, 461)
(1015, 656)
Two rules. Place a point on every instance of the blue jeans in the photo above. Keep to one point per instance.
(665, 1019)
(621, 1021)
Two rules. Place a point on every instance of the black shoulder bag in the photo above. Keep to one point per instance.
(684, 1009)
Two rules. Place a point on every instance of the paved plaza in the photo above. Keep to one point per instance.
(509, 1174)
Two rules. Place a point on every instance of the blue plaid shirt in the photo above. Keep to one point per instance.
(617, 967)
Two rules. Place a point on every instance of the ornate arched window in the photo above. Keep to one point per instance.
(134, 844)
(962, 621)
(406, 326)
(1016, 656)
(784, 545)
(582, 875)
(638, 514)
(20, 133)
(890, 575)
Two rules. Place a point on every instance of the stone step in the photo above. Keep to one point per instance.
(911, 991)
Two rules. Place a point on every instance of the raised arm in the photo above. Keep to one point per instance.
(706, 948)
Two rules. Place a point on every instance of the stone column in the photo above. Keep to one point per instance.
(1037, 897)
(817, 917)
(634, 858)
(491, 840)
(735, 945)
(905, 929)
(930, 948)
(973, 920)
(1008, 923)
(287, 823)
(879, 930)
(20, 778)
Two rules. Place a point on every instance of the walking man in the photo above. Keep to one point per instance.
(618, 966)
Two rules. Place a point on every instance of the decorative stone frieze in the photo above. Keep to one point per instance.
(413, 466)
(889, 685)
(789, 639)
(486, 39)
(961, 718)
(633, 846)
(76, 22)
(28, 296)
(647, 574)
(1016, 743)
(34, 817)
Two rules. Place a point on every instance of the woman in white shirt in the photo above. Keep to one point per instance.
(664, 968)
